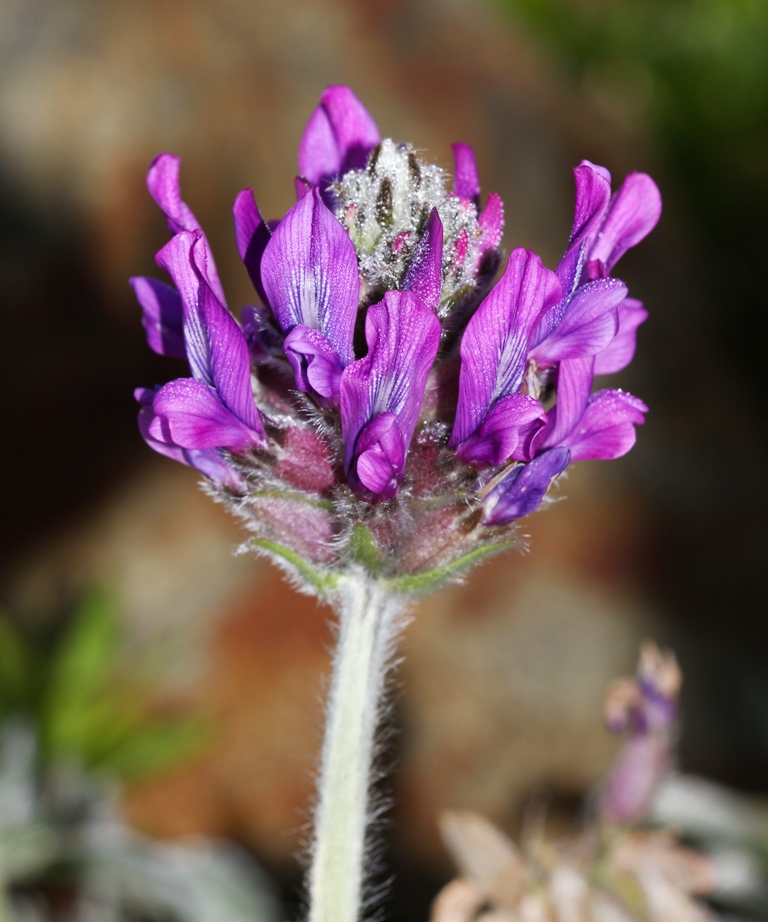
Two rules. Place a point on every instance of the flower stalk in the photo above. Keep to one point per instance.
(370, 618)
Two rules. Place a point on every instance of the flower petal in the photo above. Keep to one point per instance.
(163, 185)
(593, 192)
(497, 338)
(161, 316)
(403, 336)
(587, 326)
(466, 182)
(632, 214)
(216, 348)
(491, 221)
(339, 136)
(520, 493)
(425, 273)
(607, 428)
(252, 234)
(621, 350)
(506, 432)
(380, 456)
(315, 363)
(190, 414)
(574, 382)
(309, 272)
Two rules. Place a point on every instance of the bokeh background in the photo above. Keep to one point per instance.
(498, 702)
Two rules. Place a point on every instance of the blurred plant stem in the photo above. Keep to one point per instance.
(369, 621)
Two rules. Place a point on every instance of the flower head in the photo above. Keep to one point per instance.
(387, 405)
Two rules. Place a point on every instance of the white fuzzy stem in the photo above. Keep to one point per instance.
(367, 628)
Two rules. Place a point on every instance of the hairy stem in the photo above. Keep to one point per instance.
(368, 624)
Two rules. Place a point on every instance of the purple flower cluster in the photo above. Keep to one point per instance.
(385, 386)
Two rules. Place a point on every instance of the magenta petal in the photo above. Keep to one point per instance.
(339, 136)
(425, 273)
(252, 234)
(621, 350)
(506, 432)
(589, 323)
(190, 414)
(161, 316)
(593, 192)
(380, 454)
(309, 272)
(520, 493)
(632, 214)
(315, 363)
(466, 182)
(403, 336)
(497, 338)
(607, 428)
(163, 185)
(491, 221)
(574, 382)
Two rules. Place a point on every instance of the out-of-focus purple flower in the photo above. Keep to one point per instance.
(381, 395)
(339, 136)
(310, 279)
(645, 708)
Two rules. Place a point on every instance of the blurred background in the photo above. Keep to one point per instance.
(164, 688)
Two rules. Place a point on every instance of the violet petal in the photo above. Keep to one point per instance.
(574, 382)
(190, 414)
(309, 272)
(252, 234)
(380, 456)
(621, 350)
(607, 428)
(632, 214)
(466, 182)
(491, 221)
(520, 493)
(593, 192)
(162, 316)
(497, 338)
(587, 326)
(315, 363)
(403, 336)
(339, 136)
(424, 276)
(506, 432)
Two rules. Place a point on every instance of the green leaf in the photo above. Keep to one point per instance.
(157, 746)
(15, 668)
(430, 580)
(321, 581)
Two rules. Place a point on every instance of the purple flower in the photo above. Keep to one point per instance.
(339, 136)
(381, 395)
(457, 401)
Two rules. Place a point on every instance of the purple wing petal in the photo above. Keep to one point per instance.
(161, 316)
(607, 428)
(425, 273)
(216, 348)
(520, 493)
(495, 344)
(315, 363)
(593, 192)
(309, 273)
(506, 432)
(403, 336)
(339, 136)
(621, 350)
(190, 414)
(574, 382)
(163, 185)
(466, 182)
(381, 454)
(589, 323)
(252, 235)
(632, 214)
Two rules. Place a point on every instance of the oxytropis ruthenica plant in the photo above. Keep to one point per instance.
(393, 404)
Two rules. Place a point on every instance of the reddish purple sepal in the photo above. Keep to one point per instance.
(466, 181)
(381, 394)
(425, 273)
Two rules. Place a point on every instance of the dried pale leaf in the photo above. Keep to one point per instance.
(569, 894)
(606, 909)
(534, 908)
(483, 853)
(658, 852)
(459, 901)
(667, 903)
